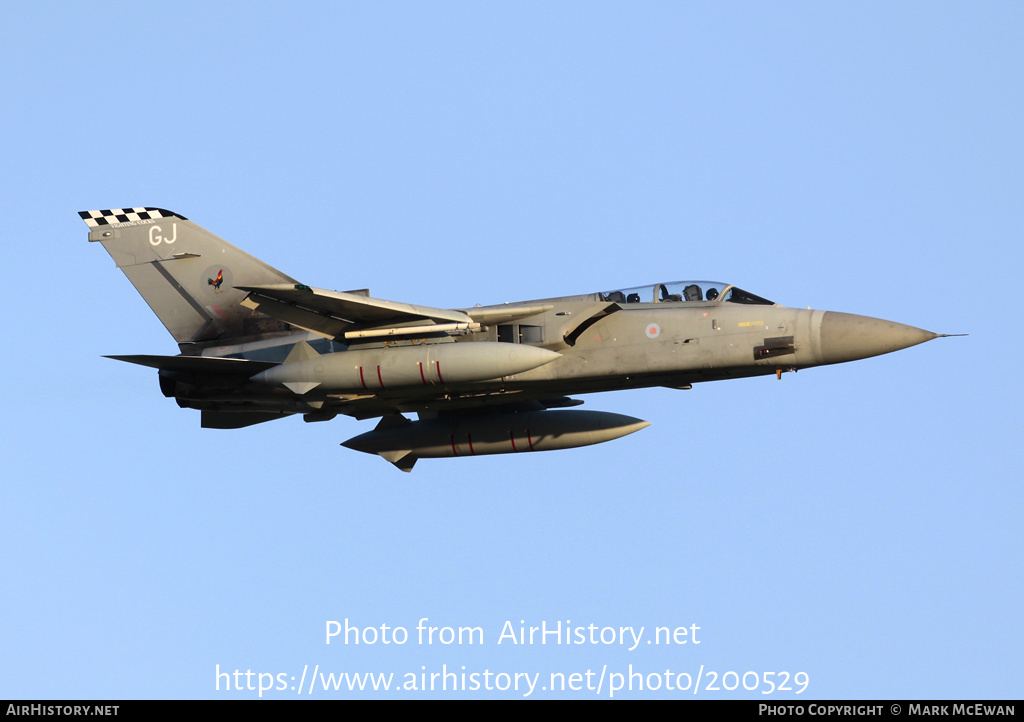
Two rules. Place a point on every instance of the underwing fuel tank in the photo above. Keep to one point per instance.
(406, 366)
(402, 441)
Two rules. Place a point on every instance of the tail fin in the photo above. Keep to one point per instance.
(187, 275)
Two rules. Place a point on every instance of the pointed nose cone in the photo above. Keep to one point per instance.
(626, 425)
(521, 358)
(846, 337)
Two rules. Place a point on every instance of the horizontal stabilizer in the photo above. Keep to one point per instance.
(237, 419)
(199, 364)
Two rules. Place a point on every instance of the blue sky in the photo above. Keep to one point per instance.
(858, 523)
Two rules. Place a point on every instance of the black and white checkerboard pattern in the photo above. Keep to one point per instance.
(94, 219)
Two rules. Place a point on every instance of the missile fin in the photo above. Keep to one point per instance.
(391, 421)
(302, 387)
(403, 459)
(301, 351)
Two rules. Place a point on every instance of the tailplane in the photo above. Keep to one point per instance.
(187, 275)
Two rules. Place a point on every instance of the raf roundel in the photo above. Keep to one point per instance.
(653, 330)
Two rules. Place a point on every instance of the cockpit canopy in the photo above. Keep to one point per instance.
(685, 292)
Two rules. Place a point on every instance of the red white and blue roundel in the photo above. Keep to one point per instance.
(653, 330)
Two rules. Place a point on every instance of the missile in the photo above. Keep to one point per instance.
(404, 366)
(402, 441)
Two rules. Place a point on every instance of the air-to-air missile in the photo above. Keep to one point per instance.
(257, 345)
(406, 366)
(402, 441)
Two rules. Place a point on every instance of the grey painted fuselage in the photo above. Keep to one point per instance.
(256, 345)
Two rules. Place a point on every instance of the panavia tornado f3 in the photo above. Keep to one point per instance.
(257, 345)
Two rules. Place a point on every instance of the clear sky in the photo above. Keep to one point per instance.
(859, 523)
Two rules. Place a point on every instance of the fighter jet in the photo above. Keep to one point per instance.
(257, 345)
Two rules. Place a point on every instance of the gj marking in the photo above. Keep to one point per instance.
(155, 237)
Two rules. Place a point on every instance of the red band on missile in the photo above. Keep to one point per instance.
(512, 438)
(361, 379)
(423, 378)
(439, 377)
(529, 439)
(455, 452)
(379, 378)
(469, 438)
